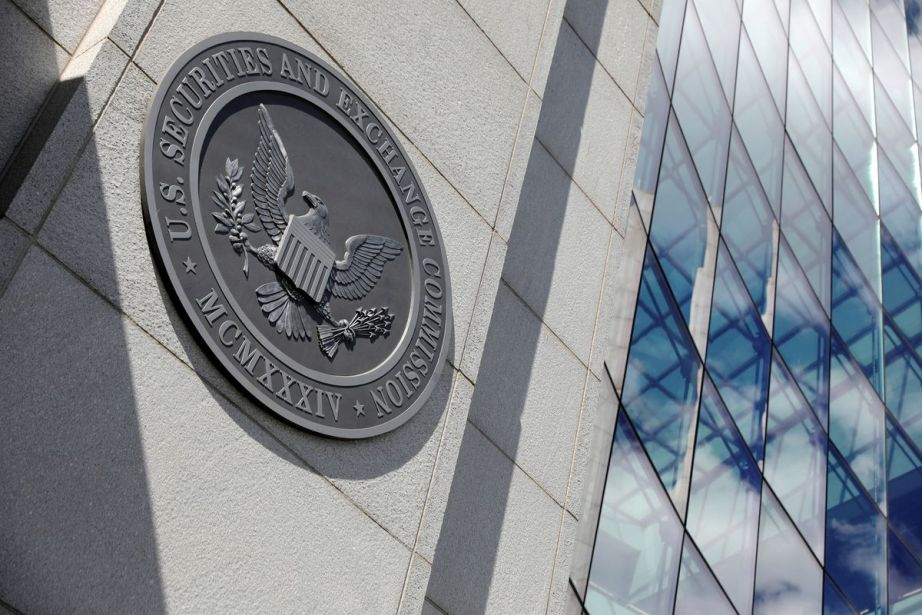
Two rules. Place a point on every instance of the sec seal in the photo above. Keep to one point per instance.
(295, 235)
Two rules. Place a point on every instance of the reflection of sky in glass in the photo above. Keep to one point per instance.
(855, 539)
(635, 561)
(661, 381)
(788, 579)
(698, 592)
(780, 176)
(738, 353)
(723, 509)
(795, 457)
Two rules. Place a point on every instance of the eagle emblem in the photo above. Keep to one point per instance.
(308, 274)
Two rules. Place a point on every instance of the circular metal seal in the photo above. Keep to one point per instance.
(296, 236)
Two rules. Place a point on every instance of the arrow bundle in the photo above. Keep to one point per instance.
(365, 323)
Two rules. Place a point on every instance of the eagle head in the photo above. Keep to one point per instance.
(316, 217)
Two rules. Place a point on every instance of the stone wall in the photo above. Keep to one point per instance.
(134, 477)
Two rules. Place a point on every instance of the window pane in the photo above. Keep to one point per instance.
(897, 139)
(851, 60)
(806, 226)
(855, 540)
(667, 41)
(809, 132)
(739, 352)
(720, 20)
(698, 591)
(802, 334)
(661, 382)
(904, 382)
(702, 110)
(723, 509)
(683, 232)
(651, 143)
(900, 213)
(857, 162)
(750, 231)
(795, 457)
(892, 66)
(636, 557)
(788, 579)
(834, 603)
(856, 422)
(855, 219)
(904, 487)
(765, 30)
(905, 581)
(856, 315)
(811, 51)
(902, 290)
(759, 123)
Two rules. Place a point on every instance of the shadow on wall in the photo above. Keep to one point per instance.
(465, 560)
(76, 530)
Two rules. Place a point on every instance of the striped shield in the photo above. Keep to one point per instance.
(304, 258)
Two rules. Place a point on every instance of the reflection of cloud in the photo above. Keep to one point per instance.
(789, 580)
(913, 10)
(863, 547)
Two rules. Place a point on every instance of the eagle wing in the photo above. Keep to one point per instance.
(356, 274)
(271, 180)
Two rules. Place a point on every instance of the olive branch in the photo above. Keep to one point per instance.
(231, 219)
(366, 323)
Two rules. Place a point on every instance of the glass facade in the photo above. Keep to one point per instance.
(766, 455)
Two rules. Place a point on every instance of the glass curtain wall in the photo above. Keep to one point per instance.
(766, 455)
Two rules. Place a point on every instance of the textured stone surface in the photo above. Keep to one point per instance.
(22, 44)
(545, 55)
(483, 309)
(467, 238)
(496, 549)
(141, 490)
(527, 399)
(414, 594)
(94, 75)
(132, 22)
(192, 22)
(613, 298)
(386, 476)
(584, 120)
(65, 20)
(12, 246)
(557, 245)
(518, 164)
(515, 26)
(581, 452)
(442, 474)
(434, 72)
(560, 582)
(614, 31)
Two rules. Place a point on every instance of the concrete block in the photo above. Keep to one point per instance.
(560, 582)
(646, 66)
(143, 490)
(585, 120)
(614, 31)
(582, 450)
(483, 309)
(386, 476)
(496, 549)
(414, 593)
(614, 303)
(518, 165)
(65, 20)
(527, 399)
(92, 77)
(548, 44)
(443, 472)
(13, 245)
(467, 238)
(179, 25)
(437, 76)
(515, 27)
(132, 22)
(23, 44)
(557, 248)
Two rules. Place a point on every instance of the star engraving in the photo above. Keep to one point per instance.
(189, 265)
(359, 408)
